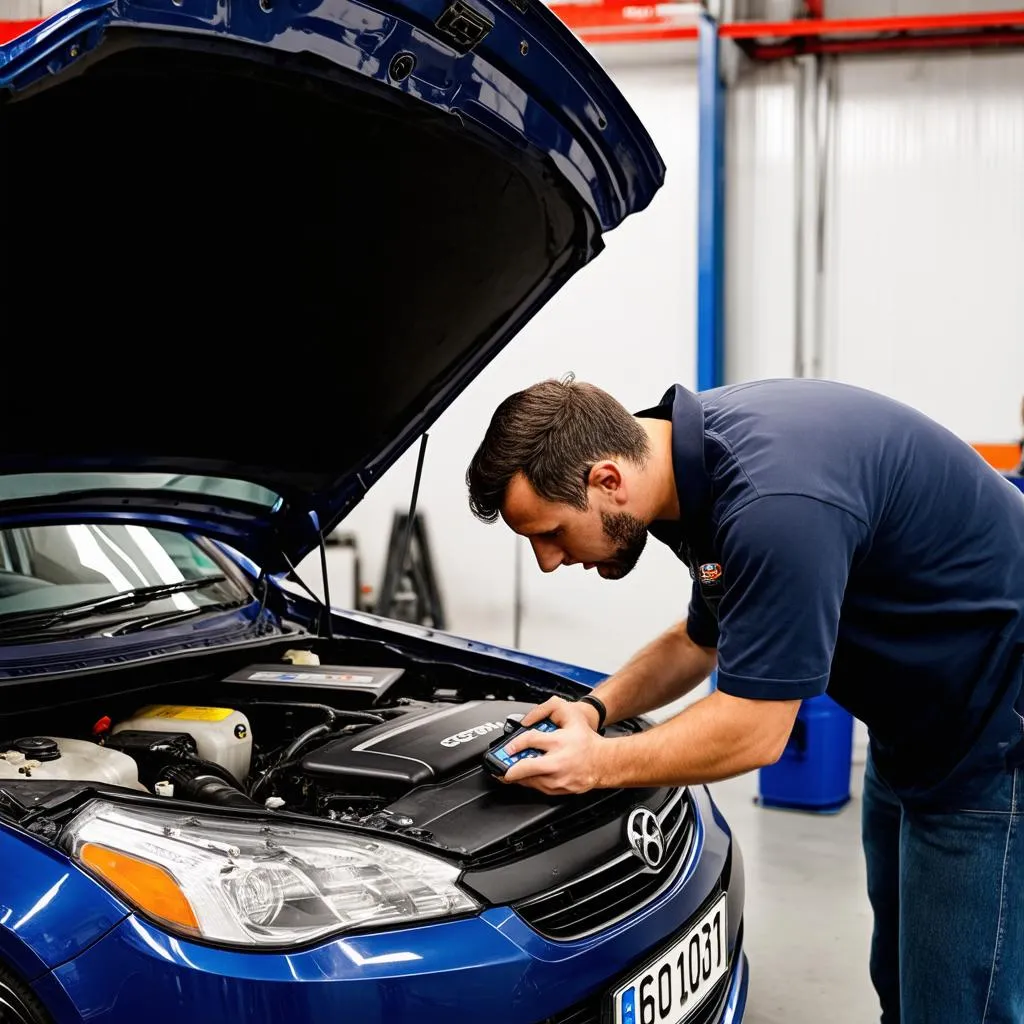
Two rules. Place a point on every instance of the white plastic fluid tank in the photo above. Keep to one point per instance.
(75, 761)
(222, 735)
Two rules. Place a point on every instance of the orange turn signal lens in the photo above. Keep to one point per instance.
(145, 885)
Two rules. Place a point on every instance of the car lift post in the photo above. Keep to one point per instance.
(710, 210)
(710, 214)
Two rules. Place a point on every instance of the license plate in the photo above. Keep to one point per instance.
(671, 987)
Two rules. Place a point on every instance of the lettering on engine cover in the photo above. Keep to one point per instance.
(419, 744)
(471, 734)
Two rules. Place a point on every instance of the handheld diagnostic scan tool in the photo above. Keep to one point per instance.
(498, 760)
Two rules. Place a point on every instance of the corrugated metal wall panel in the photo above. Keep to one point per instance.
(761, 224)
(925, 236)
(19, 10)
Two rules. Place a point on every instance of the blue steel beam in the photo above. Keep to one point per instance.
(710, 216)
(710, 211)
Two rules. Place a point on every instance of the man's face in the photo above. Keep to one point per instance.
(605, 537)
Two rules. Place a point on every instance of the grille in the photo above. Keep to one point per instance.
(609, 893)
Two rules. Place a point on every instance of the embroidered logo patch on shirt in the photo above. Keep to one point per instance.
(709, 572)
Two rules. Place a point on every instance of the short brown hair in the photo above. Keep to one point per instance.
(552, 433)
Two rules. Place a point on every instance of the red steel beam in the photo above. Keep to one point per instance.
(623, 22)
(641, 34)
(614, 21)
(865, 26)
(585, 17)
(948, 41)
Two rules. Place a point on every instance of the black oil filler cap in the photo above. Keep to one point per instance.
(37, 748)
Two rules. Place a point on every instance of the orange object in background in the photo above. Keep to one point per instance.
(1004, 457)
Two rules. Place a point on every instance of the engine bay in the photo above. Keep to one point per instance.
(388, 748)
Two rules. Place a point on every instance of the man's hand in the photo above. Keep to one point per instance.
(716, 737)
(571, 756)
(542, 711)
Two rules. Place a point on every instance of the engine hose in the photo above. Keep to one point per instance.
(332, 713)
(194, 783)
(302, 739)
(289, 753)
(362, 716)
(184, 757)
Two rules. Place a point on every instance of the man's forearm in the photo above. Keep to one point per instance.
(715, 738)
(666, 669)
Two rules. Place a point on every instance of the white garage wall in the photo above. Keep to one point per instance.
(17, 10)
(924, 234)
(626, 323)
(925, 244)
(761, 210)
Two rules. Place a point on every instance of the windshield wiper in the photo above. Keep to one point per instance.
(41, 619)
(143, 622)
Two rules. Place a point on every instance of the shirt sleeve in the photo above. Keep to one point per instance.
(701, 625)
(786, 560)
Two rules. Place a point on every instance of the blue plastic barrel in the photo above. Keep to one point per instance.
(814, 771)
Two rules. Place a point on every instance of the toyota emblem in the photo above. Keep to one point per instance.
(645, 838)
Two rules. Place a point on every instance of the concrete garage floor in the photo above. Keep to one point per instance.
(808, 922)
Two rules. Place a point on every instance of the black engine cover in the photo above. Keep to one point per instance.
(418, 747)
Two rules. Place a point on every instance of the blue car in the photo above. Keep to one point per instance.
(273, 240)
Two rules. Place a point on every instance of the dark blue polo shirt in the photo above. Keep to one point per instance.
(842, 541)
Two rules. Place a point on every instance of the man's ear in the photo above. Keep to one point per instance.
(608, 478)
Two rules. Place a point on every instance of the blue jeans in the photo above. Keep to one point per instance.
(946, 883)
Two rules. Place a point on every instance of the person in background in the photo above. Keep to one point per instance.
(837, 541)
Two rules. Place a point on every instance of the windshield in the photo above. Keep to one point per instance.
(49, 568)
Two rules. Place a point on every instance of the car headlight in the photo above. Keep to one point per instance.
(253, 884)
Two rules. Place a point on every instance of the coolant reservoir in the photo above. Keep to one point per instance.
(222, 734)
(53, 757)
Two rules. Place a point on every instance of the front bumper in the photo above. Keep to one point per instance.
(491, 967)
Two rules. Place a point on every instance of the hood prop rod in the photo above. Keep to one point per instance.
(325, 614)
(407, 539)
(325, 617)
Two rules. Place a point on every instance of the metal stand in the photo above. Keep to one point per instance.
(410, 592)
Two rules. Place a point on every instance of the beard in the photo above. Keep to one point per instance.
(629, 535)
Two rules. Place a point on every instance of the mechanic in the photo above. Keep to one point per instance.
(837, 541)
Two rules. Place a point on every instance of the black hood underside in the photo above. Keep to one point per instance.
(217, 233)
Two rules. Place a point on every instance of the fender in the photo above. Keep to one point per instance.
(50, 910)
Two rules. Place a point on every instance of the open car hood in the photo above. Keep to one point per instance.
(225, 200)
